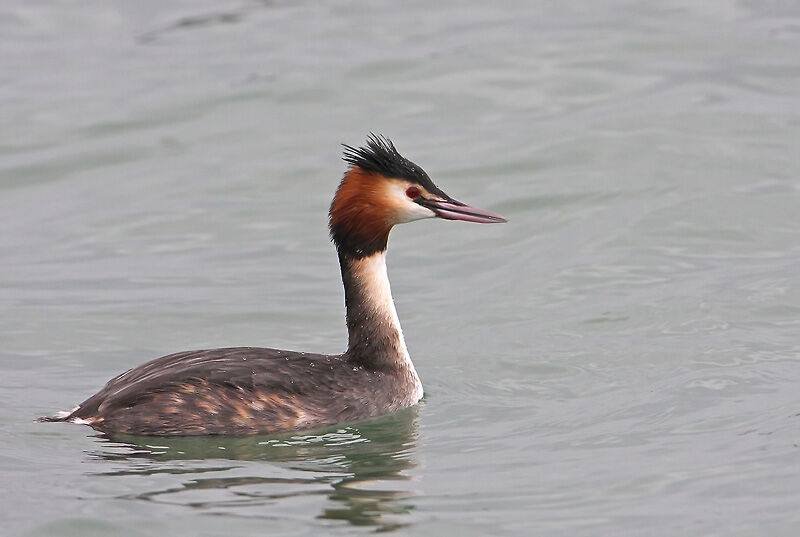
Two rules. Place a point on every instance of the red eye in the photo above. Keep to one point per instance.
(412, 192)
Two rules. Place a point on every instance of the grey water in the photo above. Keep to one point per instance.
(621, 358)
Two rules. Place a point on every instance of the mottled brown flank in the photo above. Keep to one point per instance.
(205, 409)
(243, 390)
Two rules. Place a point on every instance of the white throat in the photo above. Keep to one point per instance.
(374, 280)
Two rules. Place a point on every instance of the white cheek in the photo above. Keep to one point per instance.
(414, 211)
(408, 211)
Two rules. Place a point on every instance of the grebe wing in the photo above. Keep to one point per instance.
(198, 360)
(236, 369)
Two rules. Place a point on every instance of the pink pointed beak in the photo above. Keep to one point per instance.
(455, 210)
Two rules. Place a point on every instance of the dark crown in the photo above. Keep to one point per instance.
(380, 156)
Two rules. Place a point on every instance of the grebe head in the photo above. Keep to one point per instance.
(381, 188)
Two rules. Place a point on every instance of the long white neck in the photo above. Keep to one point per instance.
(375, 338)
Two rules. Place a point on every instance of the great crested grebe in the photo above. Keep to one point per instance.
(250, 390)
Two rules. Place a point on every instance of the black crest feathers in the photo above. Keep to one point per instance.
(380, 156)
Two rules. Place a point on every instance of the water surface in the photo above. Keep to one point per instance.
(620, 359)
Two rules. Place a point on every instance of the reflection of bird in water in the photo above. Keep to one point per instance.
(361, 469)
(248, 390)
